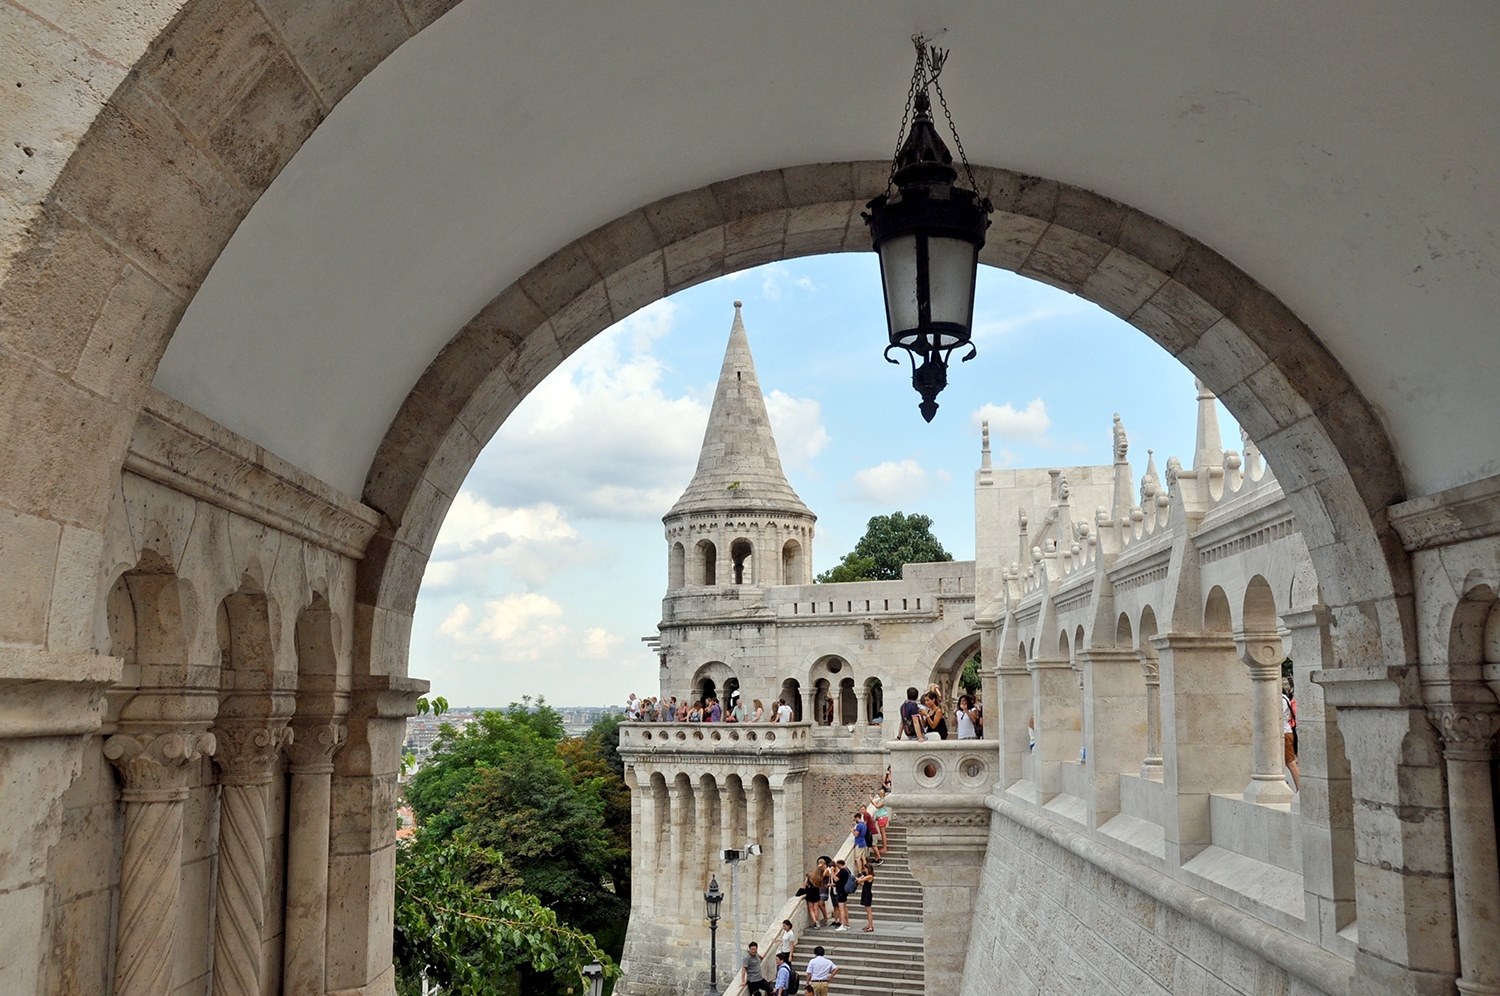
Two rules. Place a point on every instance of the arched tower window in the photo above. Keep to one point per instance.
(791, 563)
(744, 568)
(708, 562)
(677, 567)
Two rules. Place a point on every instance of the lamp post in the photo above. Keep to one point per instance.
(712, 899)
(593, 974)
(928, 233)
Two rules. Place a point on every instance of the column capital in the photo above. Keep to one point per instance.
(1468, 730)
(1261, 652)
(155, 765)
(1307, 617)
(247, 751)
(312, 744)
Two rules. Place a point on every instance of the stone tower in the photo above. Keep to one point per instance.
(739, 522)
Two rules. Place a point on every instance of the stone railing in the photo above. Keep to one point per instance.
(715, 737)
(942, 772)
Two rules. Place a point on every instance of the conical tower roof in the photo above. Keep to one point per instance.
(738, 466)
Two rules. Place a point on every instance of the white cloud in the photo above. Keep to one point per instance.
(777, 278)
(527, 628)
(894, 482)
(987, 328)
(1030, 424)
(798, 425)
(534, 542)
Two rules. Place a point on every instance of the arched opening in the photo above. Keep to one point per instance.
(792, 570)
(1123, 637)
(677, 567)
(744, 568)
(708, 562)
(822, 703)
(1216, 614)
(874, 701)
(791, 694)
(848, 708)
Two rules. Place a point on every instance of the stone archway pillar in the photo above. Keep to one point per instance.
(1112, 732)
(1262, 654)
(1059, 722)
(311, 751)
(1403, 874)
(246, 756)
(155, 765)
(676, 863)
(1151, 763)
(1468, 732)
(1205, 739)
(1326, 822)
(362, 843)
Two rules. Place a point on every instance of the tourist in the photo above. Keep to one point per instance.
(910, 712)
(861, 838)
(783, 974)
(828, 712)
(967, 730)
(682, 711)
(885, 782)
(1289, 733)
(750, 971)
(786, 940)
(811, 893)
(842, 888)
(866, 883)
(935, 722)
(820, 971)
(759, 716)
(783, 711)
(882, 814)
(713, 712)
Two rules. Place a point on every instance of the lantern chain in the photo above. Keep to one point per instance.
(958, 142)
(911, 96)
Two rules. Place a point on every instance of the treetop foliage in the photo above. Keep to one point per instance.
(889, 543)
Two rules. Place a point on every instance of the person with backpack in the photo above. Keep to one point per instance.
(786, 977)
(911, 725)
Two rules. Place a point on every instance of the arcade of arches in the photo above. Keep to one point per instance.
(260, 307)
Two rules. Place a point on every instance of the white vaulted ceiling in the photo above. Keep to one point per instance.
(1346, 155)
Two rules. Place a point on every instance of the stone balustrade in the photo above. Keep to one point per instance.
(710, 738)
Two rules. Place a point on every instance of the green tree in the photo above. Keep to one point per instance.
(969, 680)
(889, 543)
(468, 941)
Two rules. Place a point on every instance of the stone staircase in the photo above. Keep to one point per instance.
(890, 961)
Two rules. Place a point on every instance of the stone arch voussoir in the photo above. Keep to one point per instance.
(1325, 442)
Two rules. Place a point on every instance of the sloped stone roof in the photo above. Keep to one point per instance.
(739, 468)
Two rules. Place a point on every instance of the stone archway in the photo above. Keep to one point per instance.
(1252, 351)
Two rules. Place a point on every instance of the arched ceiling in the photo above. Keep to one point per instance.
(1337, 153)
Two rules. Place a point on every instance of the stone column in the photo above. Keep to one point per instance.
(1114, 731)
(861, 696)
(1059, 722)
(246, 757)
(1402, 863)
(786, 802)
(1151, 763)
(1206, 736)
(753, 834)
(676, 864)
(1261, 652)
(155, 766)
(362, 838)
(1005, 720)
(310, 751)
(809, 715)
(643, 839)
(1324, 807)
(1468, 732)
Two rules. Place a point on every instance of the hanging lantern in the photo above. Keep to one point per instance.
(928, 232)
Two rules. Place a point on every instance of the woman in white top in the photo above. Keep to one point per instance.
(966, 728)
(759, 715)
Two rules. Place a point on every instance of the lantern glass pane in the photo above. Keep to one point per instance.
(898, 271)
(950, 268)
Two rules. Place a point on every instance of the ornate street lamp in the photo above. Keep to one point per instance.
(928, 233)
(593, 974)
(712, 900)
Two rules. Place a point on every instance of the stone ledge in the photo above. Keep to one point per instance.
(47, 694)
(1466, 512)
(185, 450)
(1307, 961)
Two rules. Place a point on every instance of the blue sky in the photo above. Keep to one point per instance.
(551, 564)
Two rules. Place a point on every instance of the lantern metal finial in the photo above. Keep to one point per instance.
(928, 232)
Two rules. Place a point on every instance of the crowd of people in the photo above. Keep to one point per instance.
(708, 709)
(925, 718)
(831, 886)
